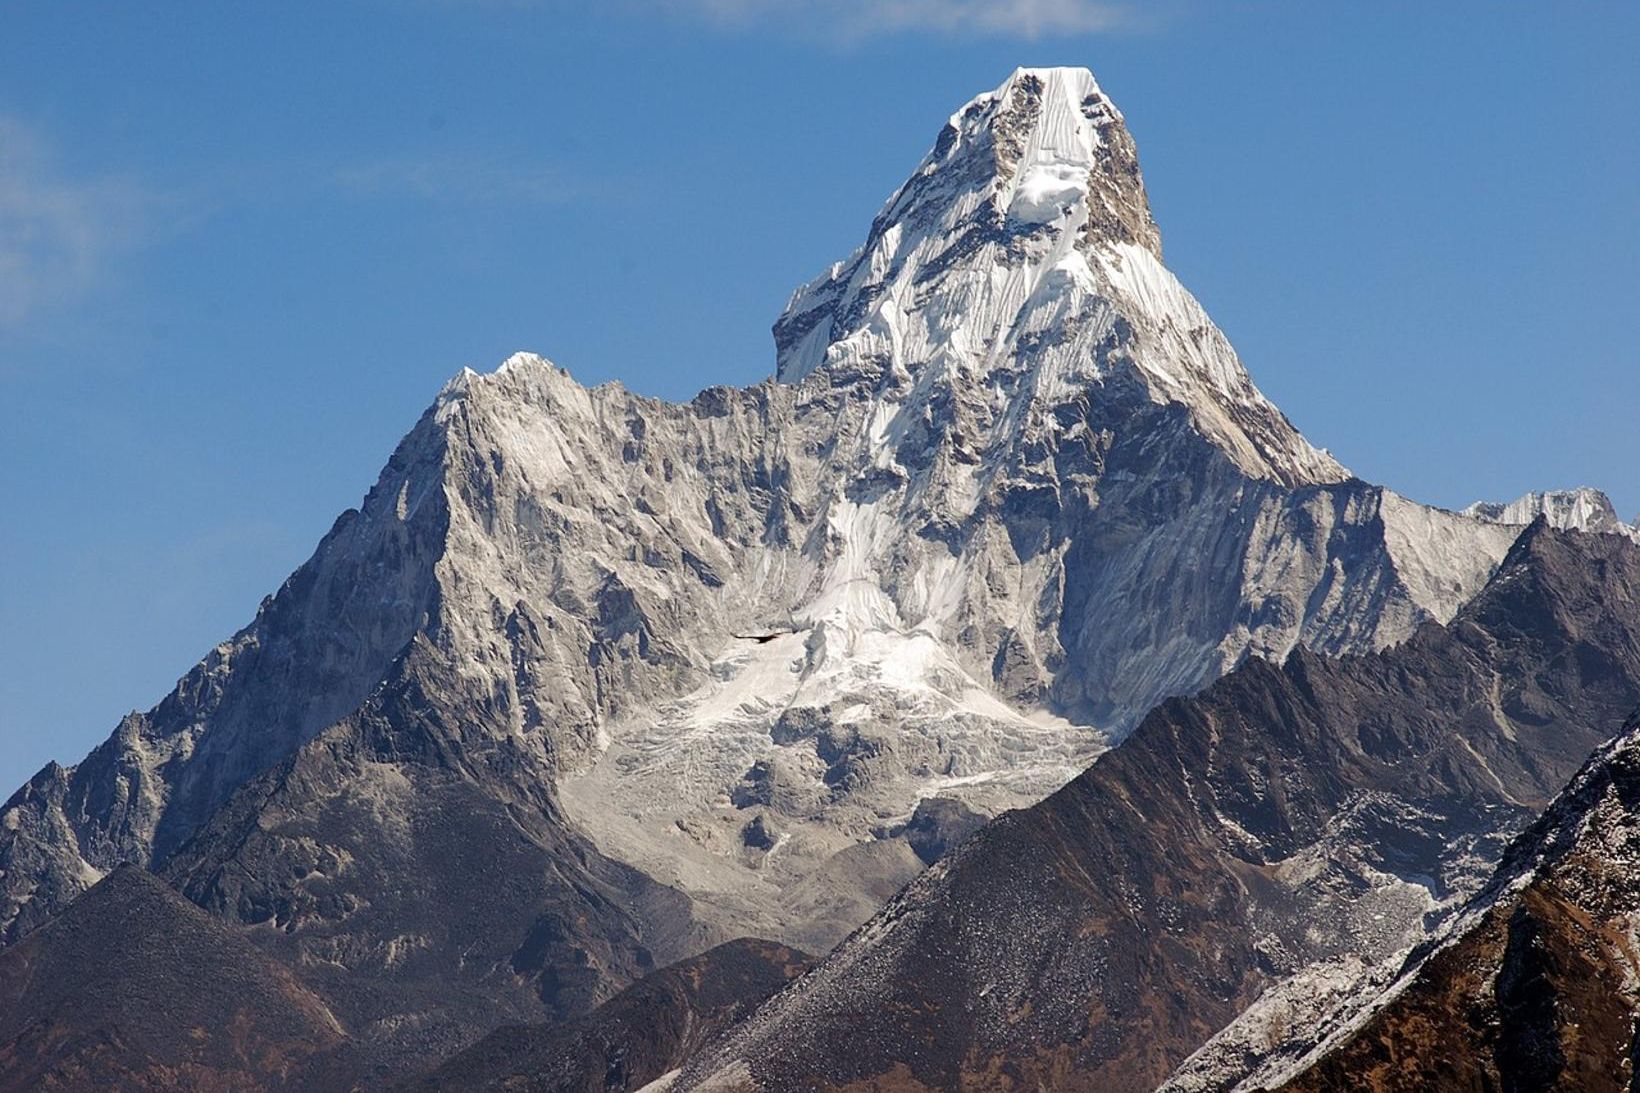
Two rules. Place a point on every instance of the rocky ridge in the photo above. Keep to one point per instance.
(1323, 814)
(132, 987)
(1534, 984)
(1583, 509)
(645, 1032)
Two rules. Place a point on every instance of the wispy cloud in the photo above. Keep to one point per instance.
(1028, 19)
(62, 233)
(57, 232)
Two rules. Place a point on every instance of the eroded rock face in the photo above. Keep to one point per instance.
(1286, 818)
(1009, 489)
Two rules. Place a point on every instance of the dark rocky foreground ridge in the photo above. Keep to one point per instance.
(1534, 985)
(134, 988)
(1288, 814)
(646, 1031)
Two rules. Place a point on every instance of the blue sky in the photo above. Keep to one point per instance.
(241, 247)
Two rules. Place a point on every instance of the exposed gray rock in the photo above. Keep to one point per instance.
(1287, 817)
(1582, 509)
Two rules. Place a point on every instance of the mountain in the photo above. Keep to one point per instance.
(592, 682)
(1287, 816)
(132, 987)
(1584, 509)
(1033, 493)
(646, 1031)
(1534, 985)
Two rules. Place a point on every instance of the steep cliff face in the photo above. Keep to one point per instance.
(670, 673)
(1312, 813)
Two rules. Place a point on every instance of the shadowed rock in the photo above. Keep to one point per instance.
(132, 987)
(642, 1033)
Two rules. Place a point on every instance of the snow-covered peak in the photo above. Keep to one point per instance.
(1019, 265)
(1074, 80)
(1043, 128)
(1580, 509)
(1009, 172)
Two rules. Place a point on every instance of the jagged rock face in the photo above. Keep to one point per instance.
(312, 654)
(411, 865)
(1533, 986)
(1010, 489)
(1285, 816)
(1583, 509)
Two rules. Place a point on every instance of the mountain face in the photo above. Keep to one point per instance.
(1533, 985)
(591, 682)
(1318, 812)
(1030, 492)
